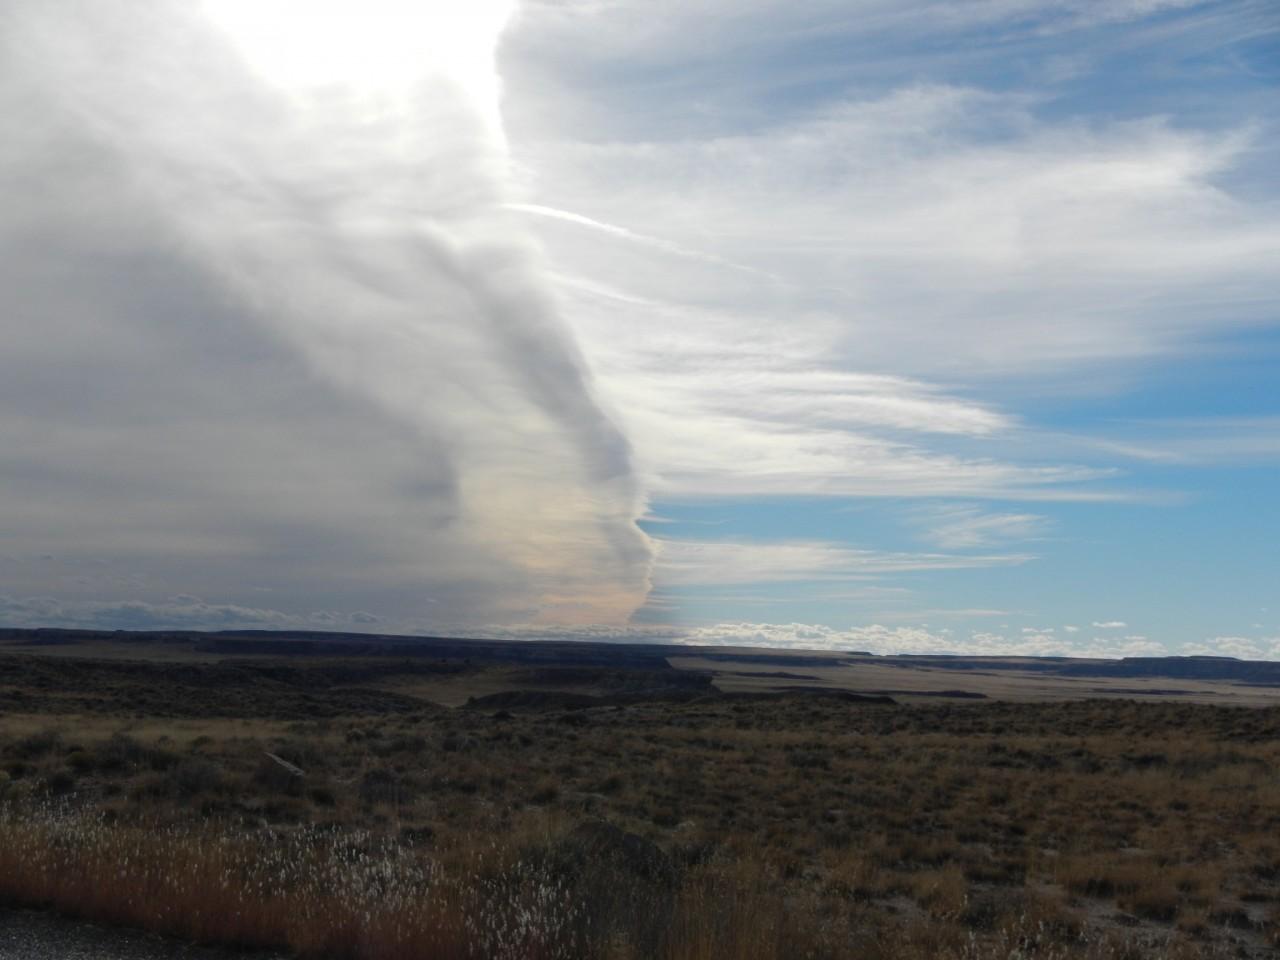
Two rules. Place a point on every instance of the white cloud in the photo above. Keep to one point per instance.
(964, 527)
(188, 612)
(1243, 648)
(872, 638)
(366, 351)
(1203, 441)
(873, 211)
(709, 563)
(175, 613)
(765, 45)
(289, 335)
(919, 614)
(925, 235)
(1109, 625)
(877, 638)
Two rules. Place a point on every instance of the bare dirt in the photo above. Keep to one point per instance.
(34, 935)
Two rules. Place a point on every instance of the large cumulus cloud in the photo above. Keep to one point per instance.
(284, 347)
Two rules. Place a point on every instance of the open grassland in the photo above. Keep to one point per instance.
(914, 679)
(583, 812)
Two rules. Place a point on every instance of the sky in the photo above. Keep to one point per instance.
(892, 326)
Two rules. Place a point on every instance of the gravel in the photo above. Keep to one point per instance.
(33, 935)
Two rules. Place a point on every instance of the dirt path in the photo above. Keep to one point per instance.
(32, 935)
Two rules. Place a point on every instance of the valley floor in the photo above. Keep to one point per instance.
(327, 808)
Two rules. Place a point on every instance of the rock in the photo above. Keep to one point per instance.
(285, 764)
(600, 842)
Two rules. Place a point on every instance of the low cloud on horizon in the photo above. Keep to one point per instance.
(192, 613)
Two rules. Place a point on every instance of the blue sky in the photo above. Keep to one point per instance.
(894, 326)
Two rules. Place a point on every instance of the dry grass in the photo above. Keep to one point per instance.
(744, 829)
(319, 894)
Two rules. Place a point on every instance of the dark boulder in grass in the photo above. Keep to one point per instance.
(603, 844)
(627, 881)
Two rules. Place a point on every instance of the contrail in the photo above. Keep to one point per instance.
(656, 243)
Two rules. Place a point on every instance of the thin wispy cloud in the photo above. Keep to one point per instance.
(701, 563)
(1194, 442)
(964, 527)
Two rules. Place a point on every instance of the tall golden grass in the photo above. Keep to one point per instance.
(352, 895)
(348, 895)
